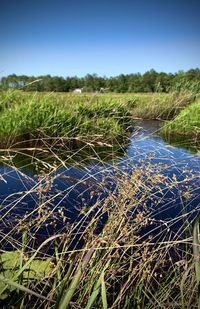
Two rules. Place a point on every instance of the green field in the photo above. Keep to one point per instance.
(99, 117)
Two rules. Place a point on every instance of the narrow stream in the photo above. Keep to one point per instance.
(66, 190)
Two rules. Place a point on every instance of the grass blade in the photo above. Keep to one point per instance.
(70, 292)
(16, 285)
(196, 253)
(103, 292)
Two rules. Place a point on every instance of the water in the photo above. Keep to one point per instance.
(173, 206)
(65, 191)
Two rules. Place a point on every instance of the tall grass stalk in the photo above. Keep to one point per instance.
(196, 252)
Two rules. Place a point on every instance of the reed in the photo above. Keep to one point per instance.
(126, 259)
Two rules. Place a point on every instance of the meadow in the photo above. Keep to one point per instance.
(101, 117)
(116, 255)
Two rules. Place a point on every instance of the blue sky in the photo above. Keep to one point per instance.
(68, 38)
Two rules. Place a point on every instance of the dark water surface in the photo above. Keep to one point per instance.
(66, 190)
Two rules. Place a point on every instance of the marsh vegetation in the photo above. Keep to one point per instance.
(93, 232)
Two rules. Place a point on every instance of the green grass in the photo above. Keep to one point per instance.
(62, 116)
(186, 124)
(160, 106)
(102, 117)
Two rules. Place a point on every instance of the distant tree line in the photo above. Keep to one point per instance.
(150, 81)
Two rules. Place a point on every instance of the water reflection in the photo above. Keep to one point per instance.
(65, 191)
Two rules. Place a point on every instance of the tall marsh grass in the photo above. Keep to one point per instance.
(187, 123)
(104, 117)
(161, 106)
(63, 116)
(114, 252)
(125, 258)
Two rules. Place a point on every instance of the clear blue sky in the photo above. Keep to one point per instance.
(105, 37)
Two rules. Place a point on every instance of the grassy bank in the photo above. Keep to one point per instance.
(62, 116)
(101, 117)
(186, 124)
(119, 265)
(160, 106)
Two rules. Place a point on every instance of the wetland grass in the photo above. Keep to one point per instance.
(101, 117)
(186, 124)
(115, 254)
(125, 258)
(62, 116)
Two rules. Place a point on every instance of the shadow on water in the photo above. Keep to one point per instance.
(83, 181)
